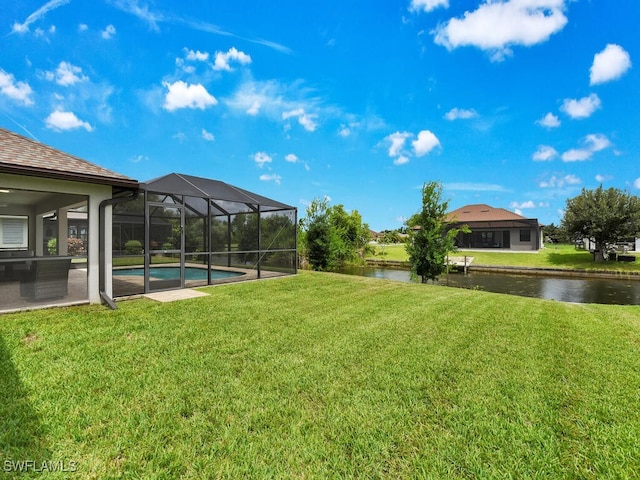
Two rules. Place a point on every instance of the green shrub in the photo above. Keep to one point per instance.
(133, 247)
(52, 246)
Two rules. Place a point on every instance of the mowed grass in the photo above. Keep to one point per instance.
(553, 256)
(325, 376)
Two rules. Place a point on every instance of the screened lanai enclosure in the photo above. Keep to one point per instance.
(183, 231)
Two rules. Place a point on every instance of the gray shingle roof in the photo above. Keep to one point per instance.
(181, 184)
(21, 155)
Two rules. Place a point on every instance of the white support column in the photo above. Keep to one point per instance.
(63, 231)
(108, 251)
(39, 246)
(93, 257)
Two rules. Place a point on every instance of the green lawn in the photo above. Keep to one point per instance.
(553, 256)
(325, 376)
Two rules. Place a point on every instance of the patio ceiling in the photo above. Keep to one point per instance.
(43, 201)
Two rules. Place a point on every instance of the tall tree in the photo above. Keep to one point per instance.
(329, 236)
(602, 216)
(352, 233)
(430, 236)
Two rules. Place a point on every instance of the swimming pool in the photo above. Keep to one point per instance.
(170, 273)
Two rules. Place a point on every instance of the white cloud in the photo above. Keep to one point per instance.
(577, 155)
(223, 60)
(609, 64)
(427, 5)
(400, 160)
(139, 158)
(425, 142)
(344, 131)
(549, 121)
(60, 120)
(37, 15)
(254, 109)
(497, 25)
(277, 102)
(197, 56)
(108, 32)
(545, 153)
(210, 137)
(142, 12)
(307, 120)
(293, 158)
(603, 178)
(183, 95)
(572, 180)
(67, 74)
(582, 108)
(523, 205)
(559, 182)
(460, 114)
(83, 27)
(19, 28)
(271, 177)
(19, 91)
(636, 183)
(594, 142)
(261, 158)
(253, 97)
(397, 140)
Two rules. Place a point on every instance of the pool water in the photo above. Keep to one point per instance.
(171, 273)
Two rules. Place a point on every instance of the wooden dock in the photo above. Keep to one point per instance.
(461, 262)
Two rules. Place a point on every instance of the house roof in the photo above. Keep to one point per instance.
(181, 184)
(482, 213)
(23, 156)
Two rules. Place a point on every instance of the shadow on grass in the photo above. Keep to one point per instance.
(582, 259)
(22, 436)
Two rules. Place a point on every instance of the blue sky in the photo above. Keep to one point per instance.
(515, 103)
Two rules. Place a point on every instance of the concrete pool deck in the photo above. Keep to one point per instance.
(175, 295)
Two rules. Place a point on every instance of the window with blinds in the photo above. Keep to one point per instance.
(14, 232)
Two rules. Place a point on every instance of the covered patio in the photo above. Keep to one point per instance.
(49, 232)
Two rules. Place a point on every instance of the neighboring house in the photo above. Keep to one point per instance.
(62, 219)
(496, 228)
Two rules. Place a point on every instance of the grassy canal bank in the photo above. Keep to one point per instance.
(553, 258)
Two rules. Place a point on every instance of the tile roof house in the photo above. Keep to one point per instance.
(496, 228)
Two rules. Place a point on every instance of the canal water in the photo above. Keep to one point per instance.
(619, 291)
